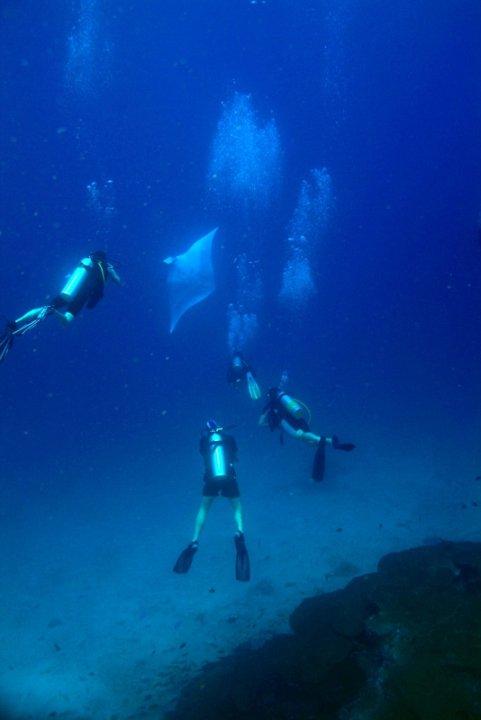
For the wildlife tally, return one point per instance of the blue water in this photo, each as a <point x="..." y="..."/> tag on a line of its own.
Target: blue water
<point x="115" y="119"/>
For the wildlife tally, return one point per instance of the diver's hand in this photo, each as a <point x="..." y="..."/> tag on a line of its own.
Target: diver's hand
<point x="115" y="277"/>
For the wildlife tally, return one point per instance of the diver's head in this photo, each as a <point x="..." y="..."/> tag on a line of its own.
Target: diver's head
<point x="98" y="256"/>
<point x="272" y="393"/>
<point x="212" y="426"/>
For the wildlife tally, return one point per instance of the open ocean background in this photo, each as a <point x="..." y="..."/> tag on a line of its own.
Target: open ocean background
<point x="100" y="472"/>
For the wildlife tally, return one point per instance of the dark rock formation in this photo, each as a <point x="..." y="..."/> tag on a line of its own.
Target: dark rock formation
<point x="403" y="643"/>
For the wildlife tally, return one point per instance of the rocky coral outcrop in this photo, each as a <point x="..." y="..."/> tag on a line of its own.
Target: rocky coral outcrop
<point x="403" y="643"/>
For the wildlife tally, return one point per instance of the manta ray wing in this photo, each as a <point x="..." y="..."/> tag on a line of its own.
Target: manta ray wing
<point x="191" y="277"/>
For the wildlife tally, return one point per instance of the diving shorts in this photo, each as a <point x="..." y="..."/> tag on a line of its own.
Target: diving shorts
<point x="225" y="487"/>
<point x="74" y="306"/>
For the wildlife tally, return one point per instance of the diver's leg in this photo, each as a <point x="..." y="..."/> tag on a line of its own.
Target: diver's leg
<point x="303" y="435"/>
<point x="333" y="441"/>
<point x="200" y="519"/>
<point x="238" y="519"/>
<point x="347" y="447"/>
<point x="311" y="438"/>
<point x="290" y="430"/>
<point x="184" y="561"/>
<point x="30" y="320"/>
<point x="65" y="311"/>
<point x="31" y="317"/>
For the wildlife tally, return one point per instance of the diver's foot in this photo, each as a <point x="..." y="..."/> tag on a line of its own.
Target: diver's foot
<point x="347" y="447"/>
<point x="184" y="561"/>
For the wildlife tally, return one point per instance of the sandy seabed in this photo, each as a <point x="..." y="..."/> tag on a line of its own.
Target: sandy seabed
<point x="96" y="626"/>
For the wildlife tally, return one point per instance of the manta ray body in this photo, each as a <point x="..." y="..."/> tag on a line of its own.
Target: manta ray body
<point x="191" y="277"/>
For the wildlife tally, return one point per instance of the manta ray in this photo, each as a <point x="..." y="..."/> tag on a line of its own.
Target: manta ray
<point x="191" y="277"/>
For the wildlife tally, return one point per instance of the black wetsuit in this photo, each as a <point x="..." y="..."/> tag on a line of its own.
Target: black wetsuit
<point x="91" y="292"/>
<point x="227" y="485"/>
<point x="276" y="413"/>
<point x="236" y="372"/>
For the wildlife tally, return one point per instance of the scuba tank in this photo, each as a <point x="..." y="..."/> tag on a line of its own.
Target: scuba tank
<point x="290" y="405"/>
<point x="77" y="280"/>
<point x="237" y="362"/>
<point x="217" y="463"/>
<point x="238" y="367"/>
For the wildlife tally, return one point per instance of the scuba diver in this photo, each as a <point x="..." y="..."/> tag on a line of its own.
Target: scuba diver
<point x="85" y="287"/>
<point x="239" y="372"/>
<point x="289" y="415"/>
<point x="219" y="451"/>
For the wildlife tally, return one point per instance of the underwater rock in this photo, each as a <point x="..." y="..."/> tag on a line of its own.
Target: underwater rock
<point x="399" y="643"/>
<point x="343" y="569"/>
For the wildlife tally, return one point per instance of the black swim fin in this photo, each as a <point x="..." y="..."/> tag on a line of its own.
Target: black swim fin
<point x="319" y="464"/>
<point x="347" y="447"/>
<point x="242" y="563"/>
<point x="184" y="561"/>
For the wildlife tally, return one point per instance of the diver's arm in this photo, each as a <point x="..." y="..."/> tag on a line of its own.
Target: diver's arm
<point x="113" y="275"/>
<point x="263" y="418"/>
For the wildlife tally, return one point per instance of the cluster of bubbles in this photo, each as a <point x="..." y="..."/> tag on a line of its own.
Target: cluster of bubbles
<point x="297" y="281"/>
<point x="101" y="201"/>
<point x="101" y="198"/>
<point x="246" y="156"/>
<point x="308" y="224"/>
<point x="248" y="280"/>
<point x="242" y="316"/>
<point x="244" y="177"/>
<point x="86" y="52"/>
<point x="242" y="327"/>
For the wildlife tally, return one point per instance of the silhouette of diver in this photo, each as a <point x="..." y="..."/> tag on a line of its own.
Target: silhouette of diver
<point x="240" y="373"/>
<point x="85" y="287"/>
<point x="219" y="451"/>
<point x="285" y="413"/>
